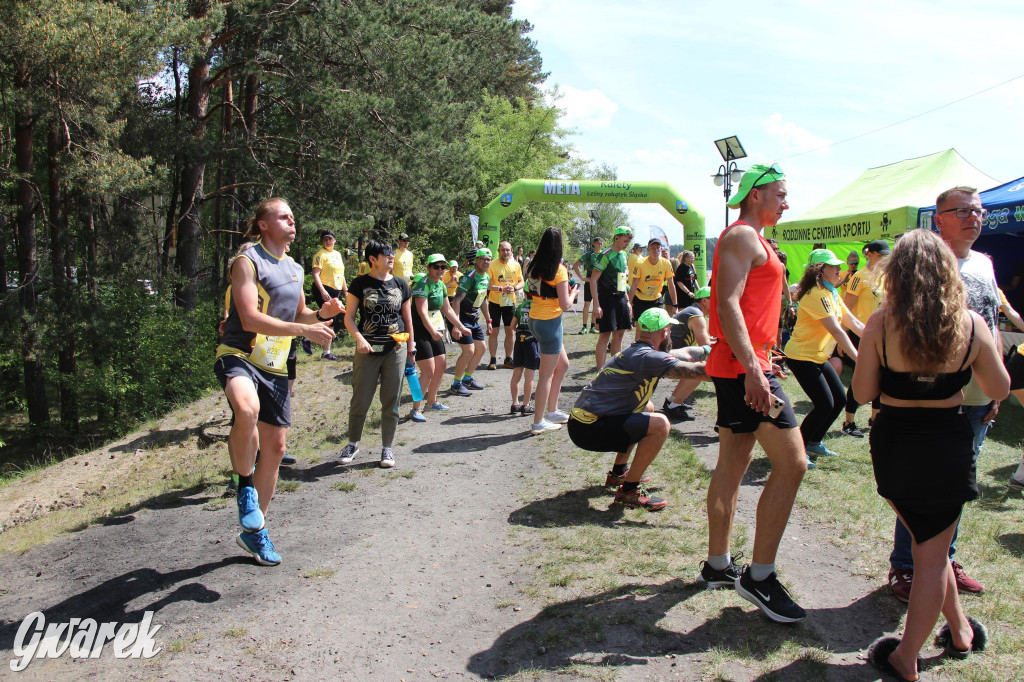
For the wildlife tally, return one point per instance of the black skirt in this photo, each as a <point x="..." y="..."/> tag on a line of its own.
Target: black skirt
<point x="924" y="463"/>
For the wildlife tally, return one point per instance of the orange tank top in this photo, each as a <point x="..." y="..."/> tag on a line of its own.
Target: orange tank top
<point x="760" y="304"/>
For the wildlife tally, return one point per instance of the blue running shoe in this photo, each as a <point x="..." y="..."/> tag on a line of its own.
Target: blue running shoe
<point x="259" y="545"/>
<point x="250" y="518"/>
<point x="472" y="384"/>
<point x="820" y="450"/>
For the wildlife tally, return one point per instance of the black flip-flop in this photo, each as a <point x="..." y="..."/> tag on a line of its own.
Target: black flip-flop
<point x="979" y="642"/>
<point x="878" y="656"/>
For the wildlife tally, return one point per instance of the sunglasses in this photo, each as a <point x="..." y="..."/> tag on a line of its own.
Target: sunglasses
<point x="439" y="266"/>
<point x="773" y="169"/>
<point x="386" y="253"/>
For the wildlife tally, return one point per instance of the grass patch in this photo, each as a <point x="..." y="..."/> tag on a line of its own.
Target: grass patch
<point x="319" y="573"/>
<point x="343" y="486"/>
<point x="287" y="486"/>
<point x="235" y="631"/>
<point x="178" y="645"/>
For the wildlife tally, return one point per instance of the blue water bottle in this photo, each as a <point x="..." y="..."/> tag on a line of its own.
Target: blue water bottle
<point x="414" y="380"/>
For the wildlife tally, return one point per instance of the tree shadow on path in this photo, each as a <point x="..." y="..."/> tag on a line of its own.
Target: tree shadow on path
<point x="572" y="508"/>
<point x="624" y="626"/>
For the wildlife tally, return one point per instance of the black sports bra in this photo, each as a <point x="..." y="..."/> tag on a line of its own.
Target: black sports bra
<point x="911" y="386"/>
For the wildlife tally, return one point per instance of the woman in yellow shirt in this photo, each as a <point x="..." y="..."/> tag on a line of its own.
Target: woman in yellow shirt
<point x="819" y="327"/>
<point x="549" y="291"/>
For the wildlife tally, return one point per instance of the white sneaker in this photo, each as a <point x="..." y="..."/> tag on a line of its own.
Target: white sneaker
<point x="557" y="417"/>
<point x="387" y="458"/>
<point x="348" y="453"/>
<point x="542" y="426"/>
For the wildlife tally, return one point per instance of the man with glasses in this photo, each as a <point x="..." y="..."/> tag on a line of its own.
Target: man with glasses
<point x="958" y="215"/>
<point x="470" y="298"/>
<point x="745" y="306"/>
<point x="506" y="281"/>
<point x="608" y="287"/>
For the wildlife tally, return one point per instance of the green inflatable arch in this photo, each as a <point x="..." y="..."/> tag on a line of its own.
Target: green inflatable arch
<point x="598" y="192"/>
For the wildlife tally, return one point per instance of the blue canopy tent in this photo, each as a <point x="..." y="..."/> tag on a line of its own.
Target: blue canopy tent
<point x="1002" y="234"/>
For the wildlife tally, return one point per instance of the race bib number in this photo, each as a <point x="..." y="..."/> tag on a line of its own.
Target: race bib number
<point x="623" y="282"/>
<point x="436" y="320"/>
<point x="508" y="298"/>
<point x="479" y="300"/>
<point x="271" y="352"/>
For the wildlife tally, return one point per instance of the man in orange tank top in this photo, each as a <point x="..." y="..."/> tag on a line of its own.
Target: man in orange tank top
<point x="745" y="306"/>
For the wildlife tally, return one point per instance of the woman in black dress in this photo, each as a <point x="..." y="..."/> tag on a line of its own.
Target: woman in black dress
<point x="918" y="352"/>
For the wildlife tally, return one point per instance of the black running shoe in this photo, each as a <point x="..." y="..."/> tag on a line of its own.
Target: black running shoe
<point x="770" y="596"/>
<point x="850" y="429"/>
<point x="716" y="579"/>
<point x="679" y="412"/>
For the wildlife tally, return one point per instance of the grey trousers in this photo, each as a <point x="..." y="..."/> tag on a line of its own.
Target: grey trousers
<point x="366" y="369"/>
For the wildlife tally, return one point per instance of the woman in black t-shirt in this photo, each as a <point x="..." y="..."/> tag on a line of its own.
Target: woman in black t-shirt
<point x="685" y="280"/>
<point x="383" y="341"/>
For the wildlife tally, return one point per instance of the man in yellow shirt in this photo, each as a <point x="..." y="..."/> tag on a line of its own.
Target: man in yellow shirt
<point x="329" y="282"/>
<point x="451" y="278"/>
<point x="634" y="258"/>
<point x="648" y="279"/>
<point x="403" y="259"/>
<point x="864" y="296"/>
<point x="506" y="281"/>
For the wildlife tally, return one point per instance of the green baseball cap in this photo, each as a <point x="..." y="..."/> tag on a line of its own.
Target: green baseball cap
<point x="418" y="277"/>
<point x="622" y="229"/>
<point x="758" y="175"/>
<point x="703" y="292"/>
<point x="823" y="256"/>
<point x="483" y="253"/>
<point x="436" y="258"/>
<point x="654" y="320"/>
<point x="453" y="263"/>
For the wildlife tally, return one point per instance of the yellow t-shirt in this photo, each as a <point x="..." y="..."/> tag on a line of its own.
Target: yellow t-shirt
<point x="403" y="265"/>
<point x="865" y="287"/>
<point x="548" y="308"/>
<point x="451" y="281"/>
<point x="811" y="341"/>
<point x="364" y="268"/>
<point x="331" y="266"/>
<point x="652" y="277"/>
<point x="631" y="263"/>
<point x="502" y="274"/>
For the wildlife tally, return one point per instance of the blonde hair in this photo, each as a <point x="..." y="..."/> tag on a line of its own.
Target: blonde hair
<point x="925" y="299"/>
<point x="252" y="228"/>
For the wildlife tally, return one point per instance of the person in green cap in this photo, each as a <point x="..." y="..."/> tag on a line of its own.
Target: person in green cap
<point x="615" y="412"/>
<point x="819" y="327"/>
<point x="609" y="287"/>
<point x="692" y="330"/>
<point x="746" y="280"/>
<point x="469" y="299"/>
<point x="430" y="309"/>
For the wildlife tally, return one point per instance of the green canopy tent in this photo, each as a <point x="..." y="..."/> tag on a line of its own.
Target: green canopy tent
<point x="880" y="204"/>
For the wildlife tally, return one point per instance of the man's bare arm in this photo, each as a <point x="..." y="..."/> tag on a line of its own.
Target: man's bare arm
<point x="687" y="370"/>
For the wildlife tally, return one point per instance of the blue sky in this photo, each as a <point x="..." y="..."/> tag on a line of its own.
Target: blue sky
<point x="648" y="86"/>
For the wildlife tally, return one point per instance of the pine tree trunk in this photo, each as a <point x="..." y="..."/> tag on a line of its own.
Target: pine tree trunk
<point x="64" y="318"/>
<point x="32" y="364"/>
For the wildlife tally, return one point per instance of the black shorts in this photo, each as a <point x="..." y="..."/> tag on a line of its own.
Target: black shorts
<point x="338" y="321"/>
<point x="526" y="354"/>
<point x="1015" y="368"/>
<point x="614" y="313"/>
<point x="427" y="347"/>
<point x="847" y="360"/>
<point x="640" y="306"/>
<point x="272" y="390"/>
<point x="476" y="333"/>
<point x="587" y="296"/>
<point x="293" y="358"/>
<point x="617" y="433"/>
<point x="500" y="314"/>
<point x="734" y="413"/>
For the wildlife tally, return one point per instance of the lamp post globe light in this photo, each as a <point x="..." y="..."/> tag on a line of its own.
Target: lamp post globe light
<point x="728" y="173"/>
